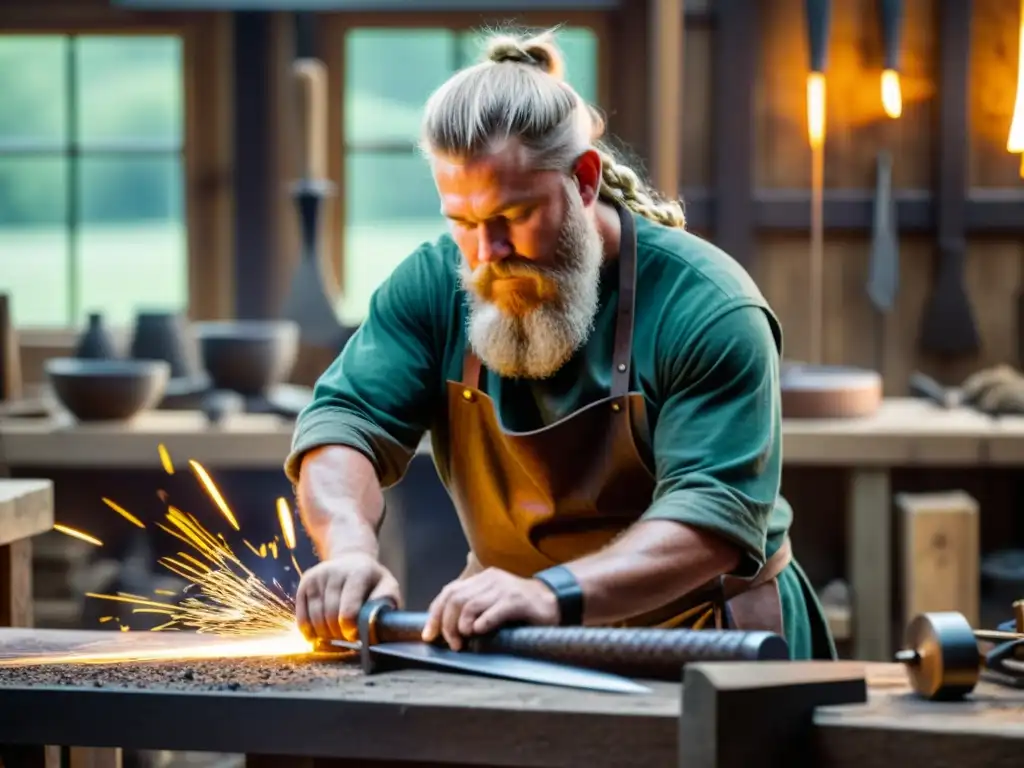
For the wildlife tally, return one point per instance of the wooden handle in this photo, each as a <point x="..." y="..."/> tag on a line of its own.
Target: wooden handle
<point x="10" y="353"/>
<point x="311" y="81"/>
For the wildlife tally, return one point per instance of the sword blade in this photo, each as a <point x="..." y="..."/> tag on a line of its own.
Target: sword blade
<point x="500" y="665"/>
<point x="510" y="667"/>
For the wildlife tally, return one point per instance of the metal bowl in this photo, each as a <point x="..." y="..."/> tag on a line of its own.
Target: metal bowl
<point x="247" y="356"/>
<point x="107" y="390"/>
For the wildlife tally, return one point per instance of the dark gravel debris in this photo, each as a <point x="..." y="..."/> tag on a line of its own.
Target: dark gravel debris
<point x="259" y="674"/>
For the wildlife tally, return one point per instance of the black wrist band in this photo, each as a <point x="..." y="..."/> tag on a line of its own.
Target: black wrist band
<point x="567" y="591"/>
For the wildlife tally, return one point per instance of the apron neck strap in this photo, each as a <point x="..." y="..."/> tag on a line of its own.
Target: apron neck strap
<point x="623" y="349"/>
<point x="622" y="353"/>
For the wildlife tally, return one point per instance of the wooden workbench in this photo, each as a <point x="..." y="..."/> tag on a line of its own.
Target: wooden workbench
<point x="417" y="717"/>
<point x="903" y="433"/>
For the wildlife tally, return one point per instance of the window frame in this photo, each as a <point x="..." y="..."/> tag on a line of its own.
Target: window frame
<point x="333" y="31"/>
<point x="206" y="50"/>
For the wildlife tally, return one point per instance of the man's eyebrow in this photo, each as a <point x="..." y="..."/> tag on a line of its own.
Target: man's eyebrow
<point x="504" y="208"/>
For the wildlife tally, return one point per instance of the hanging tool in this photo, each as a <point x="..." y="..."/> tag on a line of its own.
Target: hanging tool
<point x="884" y="261"/>
<point x="943" y="659"/>
<point x="308" y="303"/>
<point x="948" y="327"/>
<point x="817" y="17"/>
<point x="578" y="657"/>
<point x="1015" y="144"/>
<point x="884" y="264"/>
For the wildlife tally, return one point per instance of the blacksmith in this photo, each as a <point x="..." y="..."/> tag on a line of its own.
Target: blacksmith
<point x="601" y="389"/>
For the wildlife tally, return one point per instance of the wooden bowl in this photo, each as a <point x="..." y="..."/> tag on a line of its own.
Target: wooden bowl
<point x="829" y="391"/>
<point x="247" y="356"/>
<point x="107" y="390"/>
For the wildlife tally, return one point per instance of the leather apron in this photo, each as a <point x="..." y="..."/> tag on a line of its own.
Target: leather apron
<point x="530" y="500"/>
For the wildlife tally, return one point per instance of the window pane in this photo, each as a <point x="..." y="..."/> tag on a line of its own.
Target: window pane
<point x="32" y="95"/>
<point x="389" y="73"/>
<point x="129" y="90"/>
<point x="33" y="239"/>
<point x="132" y="250"/>
<point x="392" y="207"/>
<point x="578" y="45"/>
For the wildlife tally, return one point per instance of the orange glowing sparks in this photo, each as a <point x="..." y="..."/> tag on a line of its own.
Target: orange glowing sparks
<point x="290" y="643"/>
<point x="214" y="492"/>
<point x="284" y="517"/>
<point x="223" y="596"/>
<point x="165" y="459"/>
<point x="124" y="513"/>
<point x="77" y="534"/>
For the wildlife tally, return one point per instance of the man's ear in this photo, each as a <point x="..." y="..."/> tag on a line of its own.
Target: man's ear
<point x="587" y="175"/>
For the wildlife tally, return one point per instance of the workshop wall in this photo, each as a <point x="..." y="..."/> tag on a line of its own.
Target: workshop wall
<point x="857" y="129"/>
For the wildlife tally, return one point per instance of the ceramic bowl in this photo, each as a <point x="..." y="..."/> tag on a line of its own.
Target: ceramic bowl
<point x="107" y="390"/>
<point x="247" y="356"/>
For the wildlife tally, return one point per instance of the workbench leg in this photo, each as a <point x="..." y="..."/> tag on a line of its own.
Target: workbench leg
<point x="16" y="584"/>
<point x="869" y="560"/>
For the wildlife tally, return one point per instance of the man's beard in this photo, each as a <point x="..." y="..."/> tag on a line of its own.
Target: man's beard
<point x="534" y="342"/>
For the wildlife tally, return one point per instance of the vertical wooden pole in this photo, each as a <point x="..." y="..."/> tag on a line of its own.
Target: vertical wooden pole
<point x="732" y="114"/>
<point x="666" y="83"/>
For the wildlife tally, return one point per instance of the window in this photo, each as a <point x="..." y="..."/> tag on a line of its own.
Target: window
<point x="391" y="204"/>
<point x="92" y="176"/>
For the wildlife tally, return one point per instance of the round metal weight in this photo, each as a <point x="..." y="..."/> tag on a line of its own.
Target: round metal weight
<point x="941" y="655"/>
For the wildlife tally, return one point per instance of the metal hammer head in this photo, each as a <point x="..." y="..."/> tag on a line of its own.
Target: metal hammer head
<point x="367" y="626"/>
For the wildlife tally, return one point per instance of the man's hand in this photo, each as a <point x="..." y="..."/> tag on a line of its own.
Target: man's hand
<point x="331" y="593"/>
<point x="484" y="602"/>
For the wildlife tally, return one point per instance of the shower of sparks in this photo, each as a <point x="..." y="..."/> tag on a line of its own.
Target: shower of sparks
<point x="246" y="616"/>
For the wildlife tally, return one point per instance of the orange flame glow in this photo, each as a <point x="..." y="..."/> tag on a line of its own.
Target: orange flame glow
<point x="892" y="93"/>
<point x="816" y="109"/>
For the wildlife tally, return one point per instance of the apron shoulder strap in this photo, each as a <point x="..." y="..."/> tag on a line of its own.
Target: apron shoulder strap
<point x="622" y="354"/>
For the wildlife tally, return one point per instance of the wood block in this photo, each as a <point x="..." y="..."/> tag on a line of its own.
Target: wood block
<point x="939" y="553"/>
<point x="26" y="509"/>
<point x="739" y="714"/>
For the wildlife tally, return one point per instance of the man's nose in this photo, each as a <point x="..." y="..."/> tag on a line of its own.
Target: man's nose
<point x="493" y="245"/>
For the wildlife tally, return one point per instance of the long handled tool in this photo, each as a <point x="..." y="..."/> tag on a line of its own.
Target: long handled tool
<point x="817" y="16"/>
<point x="307" y="303"/>
<point x="577" y="657"/>
<point x="948" y="325"/>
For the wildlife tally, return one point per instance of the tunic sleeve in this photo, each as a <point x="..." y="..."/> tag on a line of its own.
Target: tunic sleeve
<point x="378" y="396"/>
<point x="717" y="437"/>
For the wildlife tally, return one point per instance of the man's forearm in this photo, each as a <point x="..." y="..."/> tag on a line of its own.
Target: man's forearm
<point x="653" y="563"/>
<point x="340" y="501"/>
